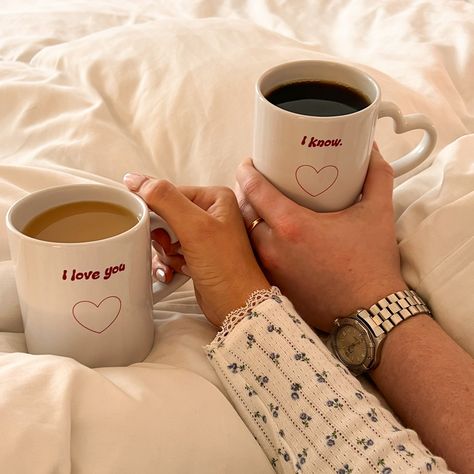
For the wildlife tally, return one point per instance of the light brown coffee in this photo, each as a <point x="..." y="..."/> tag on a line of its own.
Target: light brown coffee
<point x="82" y="221"/>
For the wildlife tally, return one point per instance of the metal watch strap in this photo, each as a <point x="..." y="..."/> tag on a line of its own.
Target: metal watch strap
<point x="390" y="311"/>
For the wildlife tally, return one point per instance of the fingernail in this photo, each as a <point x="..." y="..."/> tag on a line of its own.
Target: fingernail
<point x="134" y="181"/>
<point x="157" y="247"/>
<point x="160" y="275"/>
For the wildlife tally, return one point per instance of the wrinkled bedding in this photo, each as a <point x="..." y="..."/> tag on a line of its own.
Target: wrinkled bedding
<point x="92" y="90"/>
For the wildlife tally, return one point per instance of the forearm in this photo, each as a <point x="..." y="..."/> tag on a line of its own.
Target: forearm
<point x="428" y="380"/>
<point x="303" y="406"/>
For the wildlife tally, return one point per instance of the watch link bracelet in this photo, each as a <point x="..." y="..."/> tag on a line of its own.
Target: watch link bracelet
<point x="357" y="340"/>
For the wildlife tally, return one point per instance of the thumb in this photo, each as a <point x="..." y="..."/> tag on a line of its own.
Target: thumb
<point x="166" y="200"/>
<point x="268" y="202"/>
<point x="378" y="186"/>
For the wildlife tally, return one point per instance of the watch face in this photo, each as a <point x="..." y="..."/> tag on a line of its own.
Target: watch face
<point x="351" y="344"/>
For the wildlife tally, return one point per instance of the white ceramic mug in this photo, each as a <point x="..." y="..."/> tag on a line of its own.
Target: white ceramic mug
<point x="321" y="162"/>
<point x="91" y="301"/>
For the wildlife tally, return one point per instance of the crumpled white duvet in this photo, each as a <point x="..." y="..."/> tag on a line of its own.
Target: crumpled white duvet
<point x="92" y="89"/>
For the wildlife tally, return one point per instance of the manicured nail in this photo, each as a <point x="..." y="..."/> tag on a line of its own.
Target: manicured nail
<point x="160" y="275"/>
<point x="134" y="181"/>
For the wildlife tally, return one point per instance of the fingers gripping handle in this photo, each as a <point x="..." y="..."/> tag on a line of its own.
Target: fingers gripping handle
<point x="405" y="123"/>
<point x="162" y="290"/>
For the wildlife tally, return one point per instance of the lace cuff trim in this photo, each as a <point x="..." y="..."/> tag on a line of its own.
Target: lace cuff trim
<point x="234" y="317"/>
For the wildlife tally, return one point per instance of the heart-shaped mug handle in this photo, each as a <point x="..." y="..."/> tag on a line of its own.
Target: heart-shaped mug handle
<point x="162" y="290"/>
<point x="405" y="123"/>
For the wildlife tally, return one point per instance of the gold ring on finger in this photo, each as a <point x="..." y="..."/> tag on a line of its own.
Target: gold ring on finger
<point x="254" y="224"/>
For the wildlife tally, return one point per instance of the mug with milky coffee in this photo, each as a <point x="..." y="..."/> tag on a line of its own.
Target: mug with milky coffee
<point x="314" y="130"/>
<point x="82" y="260"/>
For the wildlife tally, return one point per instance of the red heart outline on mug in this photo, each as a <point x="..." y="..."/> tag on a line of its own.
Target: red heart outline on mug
<point x="316" y="181"/>
<point x="97" y="317"/>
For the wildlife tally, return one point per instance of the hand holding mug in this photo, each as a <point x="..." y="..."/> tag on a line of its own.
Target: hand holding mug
<point x="327" y="264"/>
<point x="214" y="246"/>
<point x="82" y="266"/>
<point x="314" y="129"/>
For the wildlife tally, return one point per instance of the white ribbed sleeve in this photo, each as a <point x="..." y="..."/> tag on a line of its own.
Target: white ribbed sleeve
<point x="307" y="411"/>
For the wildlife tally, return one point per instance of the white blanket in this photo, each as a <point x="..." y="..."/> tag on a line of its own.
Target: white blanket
<point x="92" y="89"/>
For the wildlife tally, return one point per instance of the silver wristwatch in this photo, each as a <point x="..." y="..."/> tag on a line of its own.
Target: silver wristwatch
<point x="356" y="340"/>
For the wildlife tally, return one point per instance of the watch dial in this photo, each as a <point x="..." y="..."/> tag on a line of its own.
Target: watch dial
<point x="351" y="345"/>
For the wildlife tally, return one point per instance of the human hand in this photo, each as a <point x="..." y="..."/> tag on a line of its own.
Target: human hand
<point x="213" y="244"/>
<point x="328" y="264"/>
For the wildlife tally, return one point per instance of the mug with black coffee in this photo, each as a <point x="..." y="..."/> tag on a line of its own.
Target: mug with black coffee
<point x="314" y="130"/>
<point x="82" y="260"/>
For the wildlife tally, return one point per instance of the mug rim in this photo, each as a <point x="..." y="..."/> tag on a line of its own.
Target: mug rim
<point x="23" y="201"/>
<point x="292" y="64"/>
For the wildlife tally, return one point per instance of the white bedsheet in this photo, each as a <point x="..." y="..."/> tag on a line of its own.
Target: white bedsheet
<point x="92" y="89"/>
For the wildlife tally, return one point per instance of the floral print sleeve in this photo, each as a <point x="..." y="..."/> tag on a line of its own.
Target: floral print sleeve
<point x="308" y="413"/>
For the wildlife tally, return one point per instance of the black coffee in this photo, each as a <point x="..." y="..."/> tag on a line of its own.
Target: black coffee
<point x="320" y="99"/>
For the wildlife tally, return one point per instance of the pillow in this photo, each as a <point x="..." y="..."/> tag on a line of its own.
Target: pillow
<point x="436" y="234"/>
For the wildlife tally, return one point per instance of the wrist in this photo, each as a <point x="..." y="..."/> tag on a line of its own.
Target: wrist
<point x="358" y="340"/>
<point x="242" y="297"/>
<point x="398" y="342"/>
<point x="239" y="294"/>
<point x="370" y="293"/>
<point x="233" y="318"/>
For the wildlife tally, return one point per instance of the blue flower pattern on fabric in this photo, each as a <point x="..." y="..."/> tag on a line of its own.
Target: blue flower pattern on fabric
<point x="308" y="400"/>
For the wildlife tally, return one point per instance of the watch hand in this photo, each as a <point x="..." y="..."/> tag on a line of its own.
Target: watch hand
<point x="355" y="342"/>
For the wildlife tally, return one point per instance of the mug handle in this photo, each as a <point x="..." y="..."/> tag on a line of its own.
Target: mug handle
<point x="405" y="123"/>
<point x="162" y="290"/>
